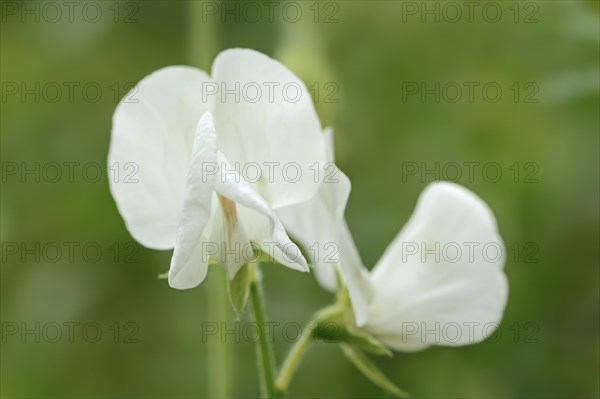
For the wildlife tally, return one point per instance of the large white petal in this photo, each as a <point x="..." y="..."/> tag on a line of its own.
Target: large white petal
<point x="319" y="225"/>
<point x="150" y="149"/>
<point x="355" y="276"/>
<point x="232" y="186"/>
<point x="272" y="121"/>
<point x="421" y="300"/>
<point x="190" y="258"/>
<point x="314" y="224"/>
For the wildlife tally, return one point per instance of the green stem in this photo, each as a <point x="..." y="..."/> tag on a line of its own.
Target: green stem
<point x="264" y="351"/>
<point x="294" y="357"/>
<point x="203" y="36"/>
<point x="218" y="353"/>
<point x="202" y="45"/>
<point x="300" y="347"/>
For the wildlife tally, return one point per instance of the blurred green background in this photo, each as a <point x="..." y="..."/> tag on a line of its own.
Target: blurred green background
<point x="150" y="339"/>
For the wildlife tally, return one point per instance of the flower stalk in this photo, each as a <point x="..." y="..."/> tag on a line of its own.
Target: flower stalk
<point x="218" y="355"/>
<point x="310" y="333"/>
<point x="294" y="357"/>
<point x="264" y="350"/>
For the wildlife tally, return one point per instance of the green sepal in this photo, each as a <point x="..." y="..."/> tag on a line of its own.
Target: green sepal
<point x="335" y="331"/>
<point x="367" y="342"/>
<point x="329" y="332"/>
<point x="329" y="325"/>
<point x="261" y="256"/>
<point x="239" y="287"/>
<point x="371" y="371"/>
<point x="335" y="324"/>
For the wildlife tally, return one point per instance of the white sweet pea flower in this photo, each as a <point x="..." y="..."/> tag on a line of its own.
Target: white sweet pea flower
<point x="190" y="136"/>
<point x="441" y="281"/>
<point x="422" y="292"/>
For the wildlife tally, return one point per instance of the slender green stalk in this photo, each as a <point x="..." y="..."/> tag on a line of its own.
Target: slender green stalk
<point x="264" y="350"/>
<point x="300" y="347"/>
<point x="202" y="45"/>
<point x="218" y="353"/>
<point x="203" y="39"/>
<point x="294" y="357"/>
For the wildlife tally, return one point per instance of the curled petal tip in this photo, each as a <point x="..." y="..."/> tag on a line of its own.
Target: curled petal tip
<point x="206" y="122"/>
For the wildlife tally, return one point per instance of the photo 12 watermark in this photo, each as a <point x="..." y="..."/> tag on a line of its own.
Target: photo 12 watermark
<point x="468" y="252"/>
<point x="466" y="331"/>
<point x="69" y="252"/>
<point x="52" y="12"/>
<point x="489" y="92"/>
<point x="251" y="252"/>
<point x="69" y="92"/>
<point x="68" y="172"/>
<point x="250" y="12"/>
<point x="526" y="172"/>
<point x="70" y="332"/>
<point x="452" y="12"/>
<point x="269" y="92"/>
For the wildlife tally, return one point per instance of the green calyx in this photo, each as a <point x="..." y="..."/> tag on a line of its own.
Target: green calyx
<point x="239" y="287"/>
<point x="335" y="324"/>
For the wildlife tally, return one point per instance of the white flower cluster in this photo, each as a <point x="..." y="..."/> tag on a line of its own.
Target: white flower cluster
<point x="176" y="129"/>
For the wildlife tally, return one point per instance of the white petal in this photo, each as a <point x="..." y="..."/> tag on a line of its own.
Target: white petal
<point x="329" y="144"/>
<point x="233" y="247"/>
<point x="319" y="225"/>
<point x="271" y="122"/>
<point x="233" y="186"/>
<point x="190" y="260"/>
<point x="416" y="290"/>
<point x="314" y="223"/>
<point x="356" y="277"/>
<point x="150" y="149"/>
<point x="328" y="226"/>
